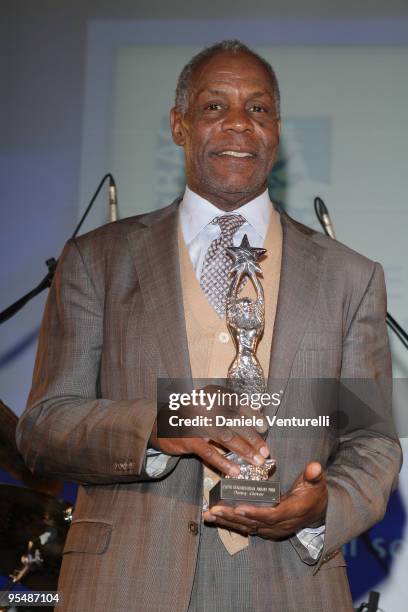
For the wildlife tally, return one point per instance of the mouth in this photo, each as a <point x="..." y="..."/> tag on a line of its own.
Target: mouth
<point x="237" y="154"/>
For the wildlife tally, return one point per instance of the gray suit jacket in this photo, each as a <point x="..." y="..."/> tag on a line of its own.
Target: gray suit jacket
<point x="113" y="323"/>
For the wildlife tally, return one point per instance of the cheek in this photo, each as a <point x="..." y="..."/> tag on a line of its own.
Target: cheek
<point x="193" y="150"/>
<point x="199" y="147"/>
<point x="271" y="145"/>
<point x="273" y="142"/>
<point x="270" y="137"/>
<point x="203" y="134"/>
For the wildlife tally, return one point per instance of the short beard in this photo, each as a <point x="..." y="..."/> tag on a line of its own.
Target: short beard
<point x="231" y="197"/>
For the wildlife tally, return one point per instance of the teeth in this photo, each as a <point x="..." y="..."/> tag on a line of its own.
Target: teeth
<point x="236" y="153"/>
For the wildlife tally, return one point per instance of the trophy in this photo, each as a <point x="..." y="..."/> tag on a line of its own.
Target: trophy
<point x="245" y="319"/>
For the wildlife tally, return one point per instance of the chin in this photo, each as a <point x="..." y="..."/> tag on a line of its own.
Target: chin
<point x="231" y="184"/>
<point x="238" y="189"/>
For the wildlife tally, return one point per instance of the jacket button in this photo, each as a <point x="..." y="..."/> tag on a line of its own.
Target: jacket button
<point x="193" y="527"/>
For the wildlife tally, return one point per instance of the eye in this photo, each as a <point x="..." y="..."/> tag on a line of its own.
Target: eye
<point x="213" y="106"/>
<point x="257" y="108"/>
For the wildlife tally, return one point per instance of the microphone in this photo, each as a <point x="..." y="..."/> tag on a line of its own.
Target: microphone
<point x="324" y="217"/>
<point x="113" y="200"/>
<point x="373" y="600"/>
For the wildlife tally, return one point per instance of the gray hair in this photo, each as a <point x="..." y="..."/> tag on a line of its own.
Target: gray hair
<point x="231" y="46"/>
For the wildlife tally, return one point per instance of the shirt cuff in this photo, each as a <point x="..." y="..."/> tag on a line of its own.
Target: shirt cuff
<point x="155" y="462"/>
<point x="313" y="540"/>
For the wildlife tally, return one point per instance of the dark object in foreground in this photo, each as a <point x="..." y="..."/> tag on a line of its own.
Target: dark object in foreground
<point x="12" y="462"/>
<point x="33" y="527"/>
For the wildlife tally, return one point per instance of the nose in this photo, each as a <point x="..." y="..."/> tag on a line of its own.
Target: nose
<point x="237" y="120"/>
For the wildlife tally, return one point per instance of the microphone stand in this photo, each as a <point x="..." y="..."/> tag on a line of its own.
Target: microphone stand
<point x="324" y="219"/>
<point x="52" y="262"/>
<point x="372" y="604"/>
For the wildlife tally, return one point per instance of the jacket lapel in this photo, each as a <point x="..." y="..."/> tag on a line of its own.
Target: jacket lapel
<point x="155" y="252"/>
<point x="302" y="264"/>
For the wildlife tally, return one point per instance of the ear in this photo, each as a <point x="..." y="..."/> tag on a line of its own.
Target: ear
<point x="177" y="127"/>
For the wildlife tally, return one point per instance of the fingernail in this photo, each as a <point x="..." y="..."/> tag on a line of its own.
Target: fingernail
<point x="217" y="512"/>
<point x="210" y="519"/>
<point x="264" y="451"/>
<point x="235" y="471"/>
<point x="259" y="460"/>
<point x="241" y="513"/>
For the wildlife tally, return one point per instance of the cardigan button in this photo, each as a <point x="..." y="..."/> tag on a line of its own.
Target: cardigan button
<point x="223" y="337"/>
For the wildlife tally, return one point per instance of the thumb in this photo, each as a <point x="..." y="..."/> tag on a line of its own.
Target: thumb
<point x="313" y="472"/>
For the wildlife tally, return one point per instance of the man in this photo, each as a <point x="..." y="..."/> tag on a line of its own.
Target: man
<point x="131" y="302"/>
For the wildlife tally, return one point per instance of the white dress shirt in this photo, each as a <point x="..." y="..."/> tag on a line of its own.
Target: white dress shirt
<point x="196" y="215"/>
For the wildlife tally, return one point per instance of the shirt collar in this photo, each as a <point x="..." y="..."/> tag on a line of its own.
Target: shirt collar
<point x="197" y="212"/>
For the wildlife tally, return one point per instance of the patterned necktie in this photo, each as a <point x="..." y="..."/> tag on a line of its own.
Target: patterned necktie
<point x="214" y="279"/>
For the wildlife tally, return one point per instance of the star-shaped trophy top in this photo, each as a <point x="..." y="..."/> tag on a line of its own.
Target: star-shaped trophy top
<point x="245" y="258"/>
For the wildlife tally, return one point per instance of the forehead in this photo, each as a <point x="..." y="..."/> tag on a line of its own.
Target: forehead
<point x="236" y="69"/>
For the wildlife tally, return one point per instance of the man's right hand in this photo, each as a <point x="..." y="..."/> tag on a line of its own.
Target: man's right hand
<point x="246" y="442"/>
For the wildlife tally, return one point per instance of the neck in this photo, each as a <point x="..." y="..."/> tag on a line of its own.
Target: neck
<point x="227" y="202"/>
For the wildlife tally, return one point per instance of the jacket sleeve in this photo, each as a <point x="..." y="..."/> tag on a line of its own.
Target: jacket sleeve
<point x="67" y="429"/>
<point x="365" y="466"/>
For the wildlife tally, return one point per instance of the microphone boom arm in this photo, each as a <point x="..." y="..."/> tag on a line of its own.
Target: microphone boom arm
<point x="323" y="217"/>
<point x="51" y="263"/>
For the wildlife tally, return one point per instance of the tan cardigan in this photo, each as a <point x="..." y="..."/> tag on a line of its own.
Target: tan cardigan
<point x="210" y="346"/>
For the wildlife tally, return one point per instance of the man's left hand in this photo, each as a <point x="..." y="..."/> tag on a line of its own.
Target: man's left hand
<point x="304" y="505"/>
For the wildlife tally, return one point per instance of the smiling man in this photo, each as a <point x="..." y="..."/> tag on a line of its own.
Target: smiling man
<point x="229" y="127"/>
<point x="145" y="298"/>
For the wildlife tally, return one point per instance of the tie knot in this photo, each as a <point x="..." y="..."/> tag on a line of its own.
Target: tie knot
<point x="228" y="223"/>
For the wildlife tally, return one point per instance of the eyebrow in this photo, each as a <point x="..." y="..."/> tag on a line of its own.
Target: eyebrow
<point x="218" y="92"/>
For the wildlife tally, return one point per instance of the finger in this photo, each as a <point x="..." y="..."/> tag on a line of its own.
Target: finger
<point x="228" y="514"/>
<point x="249" y="412"/>
<point x="262" y="515"/>
<point x="249" y="445"/>
<point x="277" y="532"/>
<point x="313" y="472"/>
<point x="231" y="525"/>
<point x="288" y="509"/>
<point x="252" y="436"/>
<point x="223" y="518"/>
<point x="249" y="434"/>
<point x="208" y="453"/>
<point x="304" y="506"/>
<point x="278" y="527"/>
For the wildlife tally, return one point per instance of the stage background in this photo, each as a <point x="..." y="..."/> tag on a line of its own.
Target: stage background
<point x="86" y="90"/>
